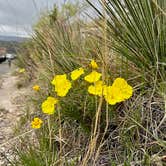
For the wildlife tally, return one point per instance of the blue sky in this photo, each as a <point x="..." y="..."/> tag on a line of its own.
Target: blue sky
<point x="17" y="16"/>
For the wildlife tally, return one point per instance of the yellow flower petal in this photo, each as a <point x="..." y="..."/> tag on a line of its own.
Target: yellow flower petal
<point x="62" y="91"/>
<point x="36" y="123"/>
<point x="112" y="95"/>
<point x="48" y="106"/>
<point x="58" y="79"/>
<point x="36" y="87"/>
<point x="93" y="64"/>
<point x="94" y="76"/>
<point x="62" y="85"/>
<point x="22" y="70"/>
<point x="125" y="88"/>
<point x="96" y="89"/>
<point x="77" y="73"/>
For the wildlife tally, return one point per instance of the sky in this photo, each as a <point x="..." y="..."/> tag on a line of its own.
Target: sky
<point x="18" y="16"/>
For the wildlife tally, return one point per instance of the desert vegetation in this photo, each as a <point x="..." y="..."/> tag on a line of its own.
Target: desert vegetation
<point x="98" y="93"/>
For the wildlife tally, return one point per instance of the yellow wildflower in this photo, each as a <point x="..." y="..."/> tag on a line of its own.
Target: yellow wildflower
<point x="36" y="87"/>
<point x="96" y="89"/>
<point x="48" y="106"/>
<point x="125" y="89"/>
<point x="93" y="64"/>
<point x="22" y="70"/>
<point x="112" y="95"/>
<point x="77" y="73"/>
<point x="94" y="76"/>
<point x="36" y="123"/>
<point x="62" y="85"/>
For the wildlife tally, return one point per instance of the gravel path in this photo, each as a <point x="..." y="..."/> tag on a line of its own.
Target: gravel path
<point x="9" y="115"/>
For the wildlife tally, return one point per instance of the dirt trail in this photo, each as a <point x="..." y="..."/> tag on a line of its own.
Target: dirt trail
<point x="7" y="91"/>
<point x="9" y="113"/>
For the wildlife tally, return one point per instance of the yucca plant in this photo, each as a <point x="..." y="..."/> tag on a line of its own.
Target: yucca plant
<point x="138" y="29"/>
<point x="135" y="31"/>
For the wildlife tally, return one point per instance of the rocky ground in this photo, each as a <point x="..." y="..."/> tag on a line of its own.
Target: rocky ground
<point x="10" y="113"/>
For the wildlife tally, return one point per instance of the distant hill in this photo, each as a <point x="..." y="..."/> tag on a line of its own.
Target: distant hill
<point x="11" y="43"/>
<point x="12" y="39"/>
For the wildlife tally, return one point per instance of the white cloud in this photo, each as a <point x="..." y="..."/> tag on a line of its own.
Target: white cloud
<point x="15" y="30"/>
<point x="18" y="16"/>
